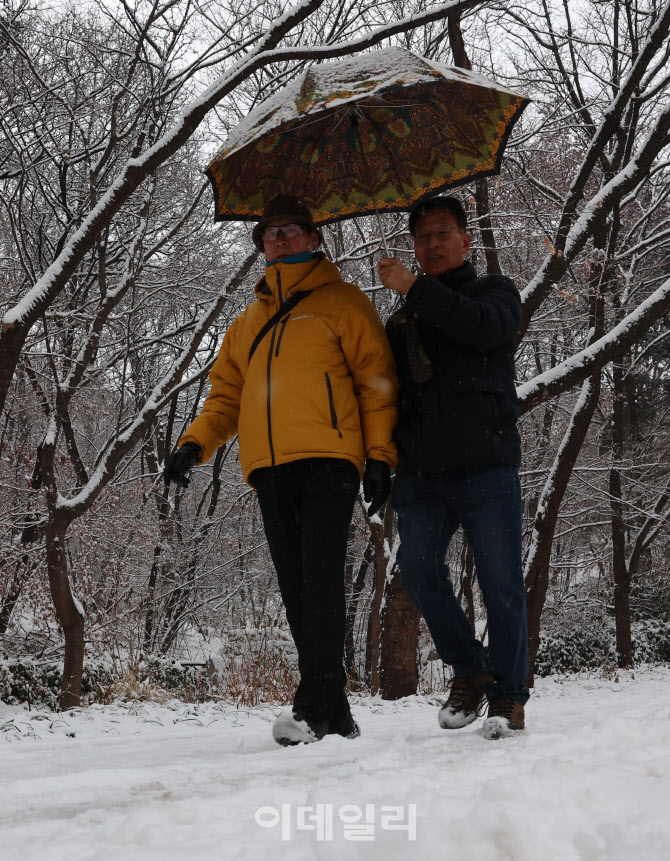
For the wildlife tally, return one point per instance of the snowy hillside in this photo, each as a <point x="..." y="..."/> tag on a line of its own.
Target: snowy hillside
<point x="589" y="779"/>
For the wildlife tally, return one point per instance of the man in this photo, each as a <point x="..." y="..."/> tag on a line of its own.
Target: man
<point x="459" y="453"/>
<point x="306" y="378"/>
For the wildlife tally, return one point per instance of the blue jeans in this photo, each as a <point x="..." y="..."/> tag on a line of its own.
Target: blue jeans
<point x="488" y="507"/>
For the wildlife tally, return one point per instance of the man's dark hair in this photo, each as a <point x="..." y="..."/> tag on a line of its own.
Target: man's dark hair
<point x="450" y="204"/>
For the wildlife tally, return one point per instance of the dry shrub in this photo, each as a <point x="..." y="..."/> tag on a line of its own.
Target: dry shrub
<point x="261" y="666"/>
<point x="130" y="687"/>
<point x="252" y="679"/>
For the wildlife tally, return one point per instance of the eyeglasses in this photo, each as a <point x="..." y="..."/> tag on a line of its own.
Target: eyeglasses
<point x="442" y="233"/>
<point x="288" y="231"/>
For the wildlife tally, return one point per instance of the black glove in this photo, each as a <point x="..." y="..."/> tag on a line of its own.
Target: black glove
<point x="180" y="463"/>
<point x="376" y="484"/>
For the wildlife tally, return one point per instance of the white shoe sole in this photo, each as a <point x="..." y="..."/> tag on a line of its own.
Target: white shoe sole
<point x="498" y="727"/>
<point x="450" y="719"/>
<point x="286" y="730"/>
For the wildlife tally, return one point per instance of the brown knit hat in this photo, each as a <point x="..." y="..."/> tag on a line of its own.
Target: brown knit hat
<point x="288" y="206"/>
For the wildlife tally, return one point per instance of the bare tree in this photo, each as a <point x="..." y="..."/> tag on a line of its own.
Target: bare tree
<point x="117" y="290"/>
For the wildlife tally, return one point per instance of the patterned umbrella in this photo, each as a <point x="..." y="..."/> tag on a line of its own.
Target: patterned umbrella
<point x="375" y="132"/>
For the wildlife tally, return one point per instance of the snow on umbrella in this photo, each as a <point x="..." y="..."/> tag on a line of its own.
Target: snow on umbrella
<point x="376" y="132"/>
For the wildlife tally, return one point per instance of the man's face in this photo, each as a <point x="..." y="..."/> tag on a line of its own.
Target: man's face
<point x="439" y="244"/>
<point x="285" y="246"/>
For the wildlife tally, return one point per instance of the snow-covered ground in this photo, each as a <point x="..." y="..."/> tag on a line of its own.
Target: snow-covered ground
<point x="588" y="779"/>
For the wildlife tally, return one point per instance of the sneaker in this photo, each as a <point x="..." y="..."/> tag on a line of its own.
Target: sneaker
<point x="342" y="722"/>
<point x="292" y="728"/>
<point x="505" y="718"/>
<point x="464" y="702"/>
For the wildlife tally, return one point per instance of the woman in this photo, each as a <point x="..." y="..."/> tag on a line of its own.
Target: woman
<point x="306" y="378"/>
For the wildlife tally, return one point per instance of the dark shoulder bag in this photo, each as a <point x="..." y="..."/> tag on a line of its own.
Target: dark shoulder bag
<point x="284" y="308"/>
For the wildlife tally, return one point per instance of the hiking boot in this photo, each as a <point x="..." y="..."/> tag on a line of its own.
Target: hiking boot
<point x="465" y="699"/>
<point x="293" y="728"/>
<point x="505" y="718"/>
<point x="341" y="721"/>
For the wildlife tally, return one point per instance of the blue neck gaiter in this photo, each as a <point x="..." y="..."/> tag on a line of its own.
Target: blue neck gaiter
<point x="300" y="257"/>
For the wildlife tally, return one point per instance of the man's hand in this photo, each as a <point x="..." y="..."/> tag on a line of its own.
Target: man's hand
<point x="180" y="463"/>
<point x="376" y="484"/>
<point x="394" y="275"/>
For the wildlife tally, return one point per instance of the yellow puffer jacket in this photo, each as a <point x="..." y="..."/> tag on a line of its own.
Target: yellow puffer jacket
<point x="322" y="382"/>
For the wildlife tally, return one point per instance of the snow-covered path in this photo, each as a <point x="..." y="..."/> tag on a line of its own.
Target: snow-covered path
<point x="589" y="779"/>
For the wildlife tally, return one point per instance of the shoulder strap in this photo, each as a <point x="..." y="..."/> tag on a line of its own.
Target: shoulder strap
<point x="284" y="308"/>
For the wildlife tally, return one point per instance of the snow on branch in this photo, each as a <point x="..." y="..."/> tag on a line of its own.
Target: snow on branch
<point x="571" y="237"/>
<point x="611" y="116"/>
<point x="636" y="171"/>
<point x="575" y="369"/>
<point x="160" y="395"/>
<point x="136" y="169"/>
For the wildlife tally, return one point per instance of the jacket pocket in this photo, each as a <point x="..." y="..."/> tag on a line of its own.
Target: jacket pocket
<point x="331" y="404"/>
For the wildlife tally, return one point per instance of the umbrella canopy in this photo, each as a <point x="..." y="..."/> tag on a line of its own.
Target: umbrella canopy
<point x="378" y="131"/>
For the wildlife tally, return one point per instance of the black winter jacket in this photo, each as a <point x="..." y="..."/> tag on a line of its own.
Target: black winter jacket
<point x="459" y="411"/>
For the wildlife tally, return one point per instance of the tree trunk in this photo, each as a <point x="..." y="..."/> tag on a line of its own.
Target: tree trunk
<point x="12" y="340"/>
<point x="398" y="670"/>
<point x="12" y="595"/>
<point x="621" y="574"/>
<point x="380" y="535"/>
<point x="68" y="611"/>
<point x="466" y="594"/>
<point x="539" y="554"/>
<point x="357" y="585"/>
<point x="538" y="559"/>
<point x="486" y="227"/>
<point x="161" y="565"/>
<point x="32" y="533"/>
<point x="461" y="59"/>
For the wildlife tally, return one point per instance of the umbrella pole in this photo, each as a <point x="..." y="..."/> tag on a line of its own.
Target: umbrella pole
<point x="354" y="121"/>
<point x="381" y="230"/>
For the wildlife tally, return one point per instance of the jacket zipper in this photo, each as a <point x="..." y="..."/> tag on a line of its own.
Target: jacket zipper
<point x="333" y="414"/>
<point x="269" y="378"/>
<point x="281" y="334"/>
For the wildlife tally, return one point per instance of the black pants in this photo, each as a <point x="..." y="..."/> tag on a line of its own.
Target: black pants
<point x="307" y="507"/>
